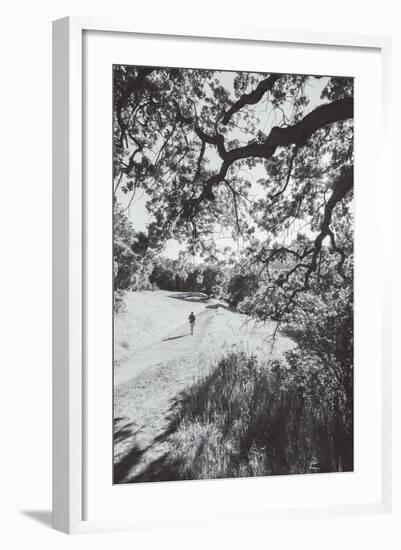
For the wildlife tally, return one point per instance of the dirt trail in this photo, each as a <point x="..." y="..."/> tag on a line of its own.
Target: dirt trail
<point x="175" y="344"/>
<point x="144" y="394"/>
<point x="158" y="362"/>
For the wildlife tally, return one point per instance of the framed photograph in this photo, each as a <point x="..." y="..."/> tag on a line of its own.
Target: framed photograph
<point x="220" y="333"/>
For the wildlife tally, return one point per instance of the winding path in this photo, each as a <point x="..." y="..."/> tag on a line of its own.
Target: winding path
<point x="145" y="391"/>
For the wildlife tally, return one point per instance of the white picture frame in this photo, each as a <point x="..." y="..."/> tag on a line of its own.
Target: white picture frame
<point x="69" y="257"/>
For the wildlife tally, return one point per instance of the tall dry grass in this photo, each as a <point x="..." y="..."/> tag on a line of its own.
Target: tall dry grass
<point x="247" y="418"/>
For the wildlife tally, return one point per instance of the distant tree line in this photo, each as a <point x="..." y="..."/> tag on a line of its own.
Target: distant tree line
<point x="140" y="265"/>
<point x="166" y="121"/>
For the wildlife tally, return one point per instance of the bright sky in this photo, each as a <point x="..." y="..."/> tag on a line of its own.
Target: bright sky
<point x="137" y="211"/>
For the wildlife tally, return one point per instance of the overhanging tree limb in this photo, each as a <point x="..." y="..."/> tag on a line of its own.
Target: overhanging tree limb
<point x="283" y="285"/>
<point x="252" y="98"/>
<point x="341" y="188"/>
<point x="297" y="135"/>
<point x="281" y="191"/>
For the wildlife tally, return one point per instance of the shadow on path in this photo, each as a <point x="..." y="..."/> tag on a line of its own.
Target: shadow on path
<point x="222" y="306"/>
<point x="128" y="461"/>
<point x="161" y="469"/>
<point x="175" y="337"/>
<point x="123" y="433"/>
<point x="197" y="297"/>
<point x="165" y="467"/>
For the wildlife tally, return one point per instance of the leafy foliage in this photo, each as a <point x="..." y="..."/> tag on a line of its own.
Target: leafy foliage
<point x="194" y="139"/>
<point x="133" y="257"/>
<point x="258" y="157"/>
<point x="175" y="275"/>
<point x="240" y="287"/>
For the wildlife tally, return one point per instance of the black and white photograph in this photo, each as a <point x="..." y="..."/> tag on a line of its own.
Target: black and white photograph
<point x="233" y="234"/>
<point x="200" y="275"/>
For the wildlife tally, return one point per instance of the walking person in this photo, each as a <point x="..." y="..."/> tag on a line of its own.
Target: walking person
<point x="192" y="322"/>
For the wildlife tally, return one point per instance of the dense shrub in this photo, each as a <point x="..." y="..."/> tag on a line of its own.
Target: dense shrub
<point x="241" y="286"/>
<point x="172" y="275"/>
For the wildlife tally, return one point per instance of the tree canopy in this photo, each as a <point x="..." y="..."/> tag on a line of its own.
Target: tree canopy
<point x="263" y="156"/>
<point x="266" y="159"/>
